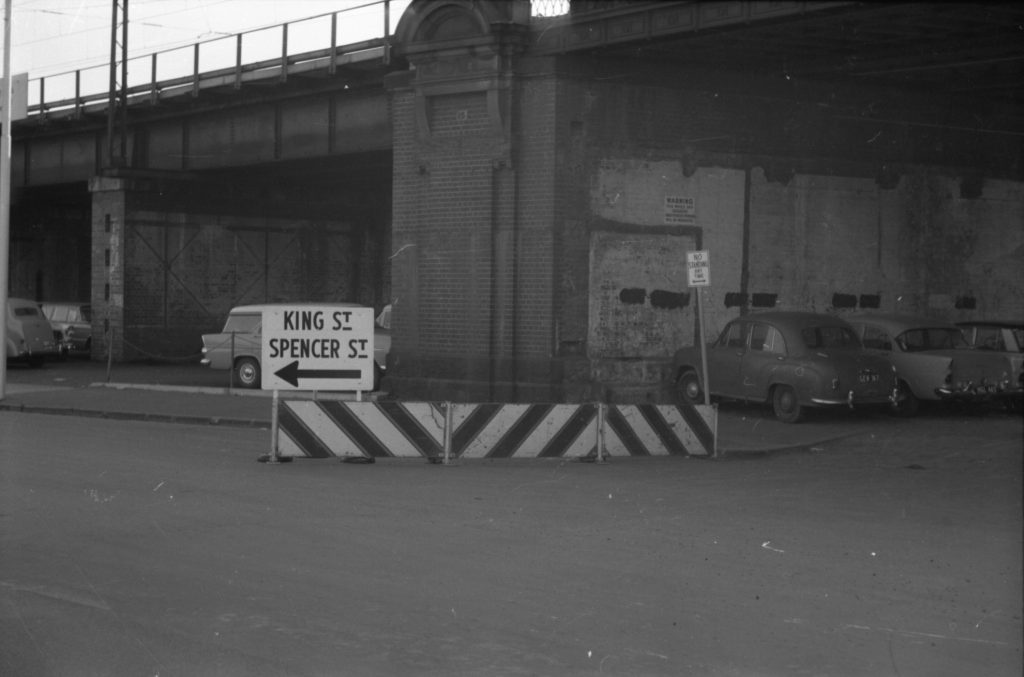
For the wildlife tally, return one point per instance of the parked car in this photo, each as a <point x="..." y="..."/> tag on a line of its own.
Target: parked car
<point x="238" y="346"/>
<point x="72" y="325"/>
<point x="1001" y="336"/>
<point x="794" y="360"/>
<point x="934" y="361"/>
<point x="29" y="334"/>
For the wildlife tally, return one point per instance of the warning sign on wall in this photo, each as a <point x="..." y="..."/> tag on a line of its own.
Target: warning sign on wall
<point x="680" y="211"/>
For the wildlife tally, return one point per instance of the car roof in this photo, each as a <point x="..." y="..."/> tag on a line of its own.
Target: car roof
<point x="14" y="300"/>
<point x="65" y="304"/>
<point x="796" y="316"/>
<point x="1015" y="324"/>
<point x="260" y="307"/>
<point x="902" y="321"/>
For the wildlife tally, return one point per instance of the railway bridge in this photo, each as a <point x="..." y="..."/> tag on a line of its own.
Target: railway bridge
<point x="521" y="181"/>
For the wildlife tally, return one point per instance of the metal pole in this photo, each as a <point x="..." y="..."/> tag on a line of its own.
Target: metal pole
<point x="273" y="430"/>
<point x="123" y="97"/>
<point x="703" y="348"/>
<point x="447" y="432"/>
<point x="5" y="189"/>
<point x="112" y="92"/>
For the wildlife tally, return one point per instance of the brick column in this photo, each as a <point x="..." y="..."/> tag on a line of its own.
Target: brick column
<point x="454" y="229"/>
<point x="109" y="206"/>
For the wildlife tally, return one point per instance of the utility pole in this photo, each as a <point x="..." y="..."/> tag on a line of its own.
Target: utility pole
<point x="5" y="190"/>
<point x="117" y="102"/>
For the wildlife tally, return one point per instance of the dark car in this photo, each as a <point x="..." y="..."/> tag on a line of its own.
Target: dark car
<point x="793" y="360"/>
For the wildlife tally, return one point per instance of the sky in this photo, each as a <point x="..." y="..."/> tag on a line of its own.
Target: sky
<point x="58" y="36"/>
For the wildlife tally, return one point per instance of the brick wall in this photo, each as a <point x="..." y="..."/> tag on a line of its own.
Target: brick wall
<point x="794" y="208"/>
<point x="163" y="277"/>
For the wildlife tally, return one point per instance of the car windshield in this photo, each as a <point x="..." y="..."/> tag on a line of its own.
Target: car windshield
<point x="26" y="311"/>
<point x="829" y="336"/>
<point x="243" y="323"/>
<point x="936" y="338"/>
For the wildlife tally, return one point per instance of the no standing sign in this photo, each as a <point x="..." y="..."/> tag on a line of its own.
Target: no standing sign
<point x="698" y="268"/>
<point x="318" y="348"/>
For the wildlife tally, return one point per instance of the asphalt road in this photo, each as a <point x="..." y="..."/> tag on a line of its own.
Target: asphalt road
<point x="133" y="548"/>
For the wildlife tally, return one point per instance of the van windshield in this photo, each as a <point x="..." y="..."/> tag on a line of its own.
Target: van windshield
<point x="243" y="323"/>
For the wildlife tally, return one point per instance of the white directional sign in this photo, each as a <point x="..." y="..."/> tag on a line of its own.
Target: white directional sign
<point x="310" y="347"/>
<point x="698" y="268"/>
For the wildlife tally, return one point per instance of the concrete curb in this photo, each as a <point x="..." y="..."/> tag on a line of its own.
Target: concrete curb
<point x="136" y="416"/>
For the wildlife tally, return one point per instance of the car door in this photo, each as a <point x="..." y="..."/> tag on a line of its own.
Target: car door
<point x="725" y="357"/>
<point x="764" y="354"/>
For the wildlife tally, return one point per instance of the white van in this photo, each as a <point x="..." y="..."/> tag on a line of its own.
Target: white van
<point x="29" y="334"/>
<point x="239" y="345"/>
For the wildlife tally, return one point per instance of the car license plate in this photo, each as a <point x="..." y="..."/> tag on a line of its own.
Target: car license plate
<point x="868" y="377"/>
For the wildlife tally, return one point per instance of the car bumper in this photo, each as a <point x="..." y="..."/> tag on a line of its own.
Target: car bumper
<point x="976" y="394"/>
<point x="854" y="400"/>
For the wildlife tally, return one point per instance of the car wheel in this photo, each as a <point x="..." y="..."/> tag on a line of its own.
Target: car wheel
<point x="377" y="374"/>
<point x="247" y="373"/>
<point x="907" y="404"/>
<point x="689" y="388"/>
<point x="785" y="404"/>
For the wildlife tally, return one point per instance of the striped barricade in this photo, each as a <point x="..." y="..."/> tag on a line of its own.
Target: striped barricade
<point x="442" y="431"/>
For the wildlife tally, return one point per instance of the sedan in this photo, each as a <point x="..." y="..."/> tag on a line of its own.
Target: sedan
<point x="794" y="360"/>
<point x="29" y="334"/>
<point x="934" y="361"/>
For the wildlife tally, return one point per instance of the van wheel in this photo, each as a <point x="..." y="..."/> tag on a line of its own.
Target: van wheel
<point x="247" y="372"/>
<point x="785" y="404"/>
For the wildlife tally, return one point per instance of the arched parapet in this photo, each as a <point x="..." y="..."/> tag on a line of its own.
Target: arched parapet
<point x="462" y="48"/>
<point x="433" y="24"/>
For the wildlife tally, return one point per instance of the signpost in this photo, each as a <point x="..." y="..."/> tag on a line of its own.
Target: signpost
<point x="317" y="348"/>
<point x="309" y="347"/>
<point x="698" y="274"/>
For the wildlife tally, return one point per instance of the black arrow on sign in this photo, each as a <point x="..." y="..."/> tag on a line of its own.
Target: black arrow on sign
<point x="291" y="373"/>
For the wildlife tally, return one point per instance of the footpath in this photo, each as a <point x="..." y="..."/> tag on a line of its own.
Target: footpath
<point x="193" y="395"/>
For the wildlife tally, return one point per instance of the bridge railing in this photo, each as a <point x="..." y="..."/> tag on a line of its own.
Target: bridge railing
<point x="354" y="33"/>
